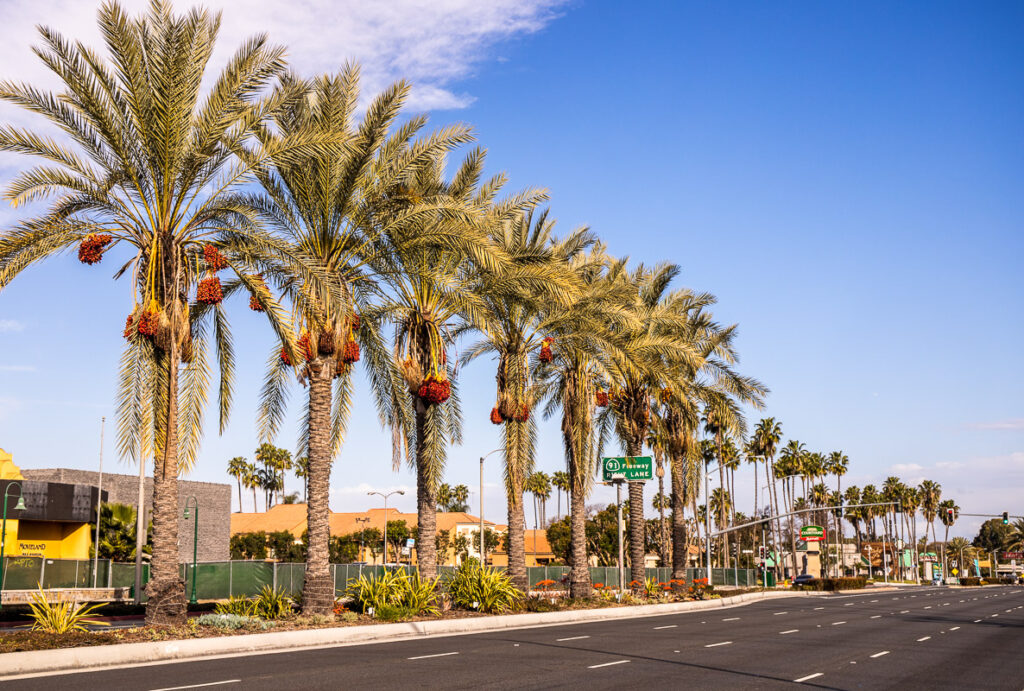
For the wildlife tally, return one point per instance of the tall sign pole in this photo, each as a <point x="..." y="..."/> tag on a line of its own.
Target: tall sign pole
<point x="618" y="503"/>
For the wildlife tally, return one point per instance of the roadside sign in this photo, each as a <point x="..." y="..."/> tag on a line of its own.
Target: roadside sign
<point x="812" y="533"/>
<point x="629" y="468"/>
<point x="410" y="543"/>
<point x="955" y="571"/>
<point x="1013" y="555"/>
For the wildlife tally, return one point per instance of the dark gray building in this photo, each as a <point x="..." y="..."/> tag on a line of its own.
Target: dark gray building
<point x="214" y="506"/>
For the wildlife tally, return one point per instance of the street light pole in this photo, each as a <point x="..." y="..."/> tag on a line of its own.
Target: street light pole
<point x="194" y="503"/>
<point x="99" y="505"/>
<point x="20" y="506"/>
<point x="386" y="495"/>
<point x="622" y="565"/>
<point x="360" y="520"/>
<point x="483" y="544"/>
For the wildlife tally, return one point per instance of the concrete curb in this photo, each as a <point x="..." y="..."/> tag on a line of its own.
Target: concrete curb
<point x="66" y="660"/>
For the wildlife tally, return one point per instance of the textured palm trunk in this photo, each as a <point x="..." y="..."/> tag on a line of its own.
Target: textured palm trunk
<point x="515" y="452"/>
<point x="680" y="545"/>
<point x="579" y="575"/>
<point x="662" y="526"/>
<point x="636" y="521"/>
<point x="792" y="525"/>
<point x="165" y="591"/>
<point x="426" y="501"/>
<point x="723" y="558"/>
<point x="318" y="589"/>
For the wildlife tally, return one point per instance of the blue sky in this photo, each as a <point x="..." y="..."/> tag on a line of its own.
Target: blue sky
<point x="846" y="179"/>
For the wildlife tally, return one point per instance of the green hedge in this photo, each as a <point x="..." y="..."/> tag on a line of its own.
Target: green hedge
<point x="970" y="580"/>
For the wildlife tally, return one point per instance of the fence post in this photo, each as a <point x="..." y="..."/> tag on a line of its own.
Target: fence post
<point x="273" y="578"/>
<point x="42" y="572"/>
<point x="231" y="579"/>
<point x="110" y="573"/>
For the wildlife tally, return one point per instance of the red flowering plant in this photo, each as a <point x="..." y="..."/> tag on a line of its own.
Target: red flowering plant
<point x="545" y="585"/>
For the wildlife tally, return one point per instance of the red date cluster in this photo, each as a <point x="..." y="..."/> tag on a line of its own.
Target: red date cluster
<point x="91" y="249"/>
<point x="434" y="390"/>
<point x="215" y="261"/>
<point x="209" y="291"/>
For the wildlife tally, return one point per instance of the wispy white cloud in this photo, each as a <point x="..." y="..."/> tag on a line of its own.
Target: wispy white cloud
<point x="10" y="326"/>
<point x="17" y="368"/>
<point x="1013" y="424"/>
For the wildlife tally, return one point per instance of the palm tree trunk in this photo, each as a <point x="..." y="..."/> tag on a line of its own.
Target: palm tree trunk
<point x="792" y="525"/>
<point x="318" y="589"/>
<point x="579" y="575"/>
<point x="636" y="521"/>
<point x="724" y="556"/>
<point x="426" y="500"/>
<point x="516" y="442"/>
<point x="239" y="478"/>
<point x="166" y="590"/>
<point x="680" y="546"/>
<point x="662" y="527"/>
<point x="255" y="508"/>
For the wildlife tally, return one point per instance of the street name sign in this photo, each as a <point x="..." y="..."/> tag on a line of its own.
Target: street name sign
<point x="630" y="468"/>
<point x="812" y="533"/>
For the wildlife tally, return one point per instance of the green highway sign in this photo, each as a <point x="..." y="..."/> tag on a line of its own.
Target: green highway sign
<point x="812" y="533"/>
<point x="628" y="468"/>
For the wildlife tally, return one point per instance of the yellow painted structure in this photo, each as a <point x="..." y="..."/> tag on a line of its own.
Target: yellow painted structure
<point x="26" y="538"/>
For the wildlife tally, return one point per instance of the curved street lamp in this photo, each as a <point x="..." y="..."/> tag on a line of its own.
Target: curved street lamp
<point x="483" y="548"/>
<point x="386" y="495"/>
<point x="194" y="503"/>
<point x="20" y="506"/>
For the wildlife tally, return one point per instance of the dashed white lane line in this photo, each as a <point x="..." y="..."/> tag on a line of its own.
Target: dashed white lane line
<point x="977" y="620"/>
<point x="424" y="657"/>
<point x="819" y="608"/>
<point x="571" y="638"/>
<point x="874" y="600"/>
<point x="928" y="607"/>
<point x="670" y="626"/>
<point x="837" y="623"/>
<point x="904" y="611"/>
<point x="196" y="686"/>
<point x="849" y="604"/>
<point x="778" y="613"/>
<point x="790" y="631"/>
<point x="919" y="640"/>
<point x="608" y="664"/>
<point x="884" y="652"/>
<point x="732" y="619"/>
<point x="954" y="628"/>
<point x="877" y="616"/>
<point x="995" y="615"/>
<point x="715" y="645"/>
<point x="809" y="677"/>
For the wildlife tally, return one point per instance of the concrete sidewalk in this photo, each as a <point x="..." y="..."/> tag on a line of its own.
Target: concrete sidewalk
<point x="38" y="662"/>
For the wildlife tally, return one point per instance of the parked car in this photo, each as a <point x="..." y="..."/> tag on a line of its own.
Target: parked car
<point x="803" y="579"/>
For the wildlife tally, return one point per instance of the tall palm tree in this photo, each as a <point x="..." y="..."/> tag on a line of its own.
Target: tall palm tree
<point x="237" y="468"/>
<point x="341" y="208"/>
<point x="560" y="481"/>
<point x="870" y="495"/>
<point x="251" y="480"/>
<point x="766" y="438"/>
<point x="148" y="164"/>
<point x="302" y="473"/>
<point x="948" y="513"/>
<point x="791" y="459"/>
<point x="837" y="464"/>
<point x="529" y="303"/>
<point x="931" y="496"/>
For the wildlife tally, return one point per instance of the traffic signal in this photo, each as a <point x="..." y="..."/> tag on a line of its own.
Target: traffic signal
<point x="1006" y="518"/>
<point x="949" y="514"/>
<point x="762" y="553"/>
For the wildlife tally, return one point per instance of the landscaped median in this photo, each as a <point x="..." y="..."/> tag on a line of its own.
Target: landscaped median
<point x="75" y="659"/>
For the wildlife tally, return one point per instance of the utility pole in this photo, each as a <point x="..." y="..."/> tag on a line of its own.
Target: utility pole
<point x="99" y="505"/>
<point x="622" y="565"/>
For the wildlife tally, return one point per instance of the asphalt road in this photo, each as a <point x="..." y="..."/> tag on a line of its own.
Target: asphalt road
<point x="927" y="638"/>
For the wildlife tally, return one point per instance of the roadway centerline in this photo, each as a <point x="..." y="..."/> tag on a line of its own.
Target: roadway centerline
<point x="808" y="677"/>
<point x="776" y="614"/>
<point x="608" y="664"/>
<point x="571" y="638"/>
<point x="424" y="657"/>
<point x="715" y="645"/>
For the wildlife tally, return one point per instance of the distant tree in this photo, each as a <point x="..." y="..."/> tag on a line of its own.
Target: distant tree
<point x="993" y="535"/>
<point x="491" y="540"/>
<point x="117" y="533"/>
<point x="560" y="481"/>
<point x="283" y="547"/>
<point x="249" y="545"/>
<point x="237" y="468"/>
<point x="344" y="549"/>
<point x="302" y="473"/>
<point x="276" y="461"/>
<point x="398" y="533"/>
<point x="290" y="498"/>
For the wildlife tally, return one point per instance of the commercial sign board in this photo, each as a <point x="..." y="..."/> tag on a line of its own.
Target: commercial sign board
<point x="629" y="468"/>
<point x="1013" y="555"/>
<point x="812" y="533"/>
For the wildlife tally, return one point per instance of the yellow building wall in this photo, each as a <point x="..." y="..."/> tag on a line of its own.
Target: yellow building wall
<point x="41" y="538"/>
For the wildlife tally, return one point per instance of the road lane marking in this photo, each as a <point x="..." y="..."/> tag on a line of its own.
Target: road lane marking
<point x="837" y="623"/>
<point x="904" y="611"/>
<point x="995" y="615"/>
<point x="884" y="652"/>
<point x="808" y="677"/>
<point x="424" y="657"/>
<point x="928" y="607"/>
<point x="670" y="626"/>
<point x="874" y="600"/>
<point x="778" y="613"/>
<point x="923" y="639"/>
<point x="196" y="686"/>
<point x="849" y="604"/>
<point x="790" y="631"/>
<point x="608" y="664"/>
<point x="715" y="645"/>
<point x="877" y="616"/>
<point x="571" y="638"/>
<point x="731" y="619"/>
<point x="819" y="608"/>
<point x="954" y="628"/>
<point x="977" y="620"/>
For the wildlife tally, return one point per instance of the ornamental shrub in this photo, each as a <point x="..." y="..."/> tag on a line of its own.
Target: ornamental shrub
<point x="479" y="588"/>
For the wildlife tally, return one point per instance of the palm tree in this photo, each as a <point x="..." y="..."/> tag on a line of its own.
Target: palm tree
<point x="513" y="321"/>
<point x="931" y="496"/>
<point x="791" y="460"/>
<point x="542" y="491"/>
<point x="149" y="165"/>
<point x="560" y="481"/>
<point x="302" y="473"/>
<point x="766" y="438"/>
<point x="870" y="495"/>
<point x="251" y="480"/>
<point x="948" y="513"/>
<point x="342" y="208"/>
<point x="837" y="464"/>
<point x="962" y="548"/>
<point x="852" y="497"/>
<point x="237" y="467"/>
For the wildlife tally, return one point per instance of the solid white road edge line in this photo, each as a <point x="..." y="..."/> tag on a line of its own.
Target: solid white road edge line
<point x="608" y="664"/>
<point x="196" y="686"/>
<point x="424" y="657"/>
<point x="809" y="676"/>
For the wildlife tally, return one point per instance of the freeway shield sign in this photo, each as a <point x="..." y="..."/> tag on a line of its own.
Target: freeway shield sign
<point x="631" y="468"/>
